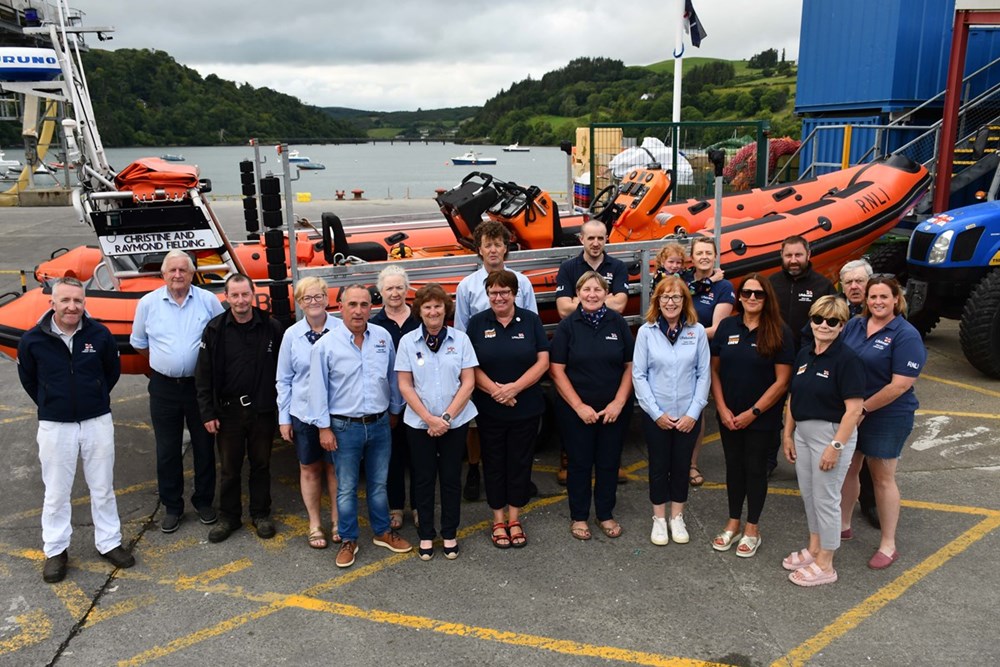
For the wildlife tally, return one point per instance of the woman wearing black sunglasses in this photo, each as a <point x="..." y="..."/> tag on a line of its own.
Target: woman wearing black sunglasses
<point x="752" y="356"/>
<point x="820" y="434"/>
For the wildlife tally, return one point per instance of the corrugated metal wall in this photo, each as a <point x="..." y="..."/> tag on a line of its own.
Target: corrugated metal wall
<point x="828" y="145"/>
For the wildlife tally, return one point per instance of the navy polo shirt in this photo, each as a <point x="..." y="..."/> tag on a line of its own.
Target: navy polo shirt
<point x="595" y="358"/>
<point x="822" y="382"/>
<point x="505" y="354"/>
<point x="613" y="270"/>
<point x="396" y="331"/>
<point x="896" y="349"/>
<point x="705" y="300"/>
<point x="745" y="374"/>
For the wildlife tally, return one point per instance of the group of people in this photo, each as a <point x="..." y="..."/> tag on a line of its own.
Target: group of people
<point x="404" y="391"/>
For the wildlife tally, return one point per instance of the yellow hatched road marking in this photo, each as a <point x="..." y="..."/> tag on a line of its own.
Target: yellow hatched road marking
<point x="208" y="576"/>
<point x="883" y="596"/>
<point x="35" y="627"/>
<point x="78" y="603"/>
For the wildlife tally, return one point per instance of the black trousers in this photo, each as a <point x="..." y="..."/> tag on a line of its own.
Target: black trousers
<point x="245" y="433"/>
<point x="592" y="449"/>
<point x="172" y="404"/>
<point x="399" y="463"/>
<point x="669" y="454"/>
<point x="746" y="469"/>
<point x="436" y="459"/>
<point x="507" y="451"/>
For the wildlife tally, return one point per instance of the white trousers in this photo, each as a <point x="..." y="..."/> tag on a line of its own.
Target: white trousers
<point x="59" y="445"/>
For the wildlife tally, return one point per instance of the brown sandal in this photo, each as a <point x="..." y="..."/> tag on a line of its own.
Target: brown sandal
<point x="610" y="528"/>
<point x="580" y="532"/>
<point x="501" y="540"/>
<point x="517" y="540"/>
<point x="317" y="538"/>
<point x="335" y="534"/>
<point x="697" y="479"/>
<point x="395" y="519"/>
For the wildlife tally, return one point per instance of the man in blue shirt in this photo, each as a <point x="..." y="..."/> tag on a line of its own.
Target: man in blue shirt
<point x="352" y="392"/>
<point x="68" y="364"/>
<point x="167" y="331"/>
<point x="492" y="239"/>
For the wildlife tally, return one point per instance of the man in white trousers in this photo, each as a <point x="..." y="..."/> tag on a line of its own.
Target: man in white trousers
<point x="68" y="364"/>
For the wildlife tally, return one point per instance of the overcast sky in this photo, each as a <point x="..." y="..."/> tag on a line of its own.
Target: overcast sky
<point x="390" y="55"/>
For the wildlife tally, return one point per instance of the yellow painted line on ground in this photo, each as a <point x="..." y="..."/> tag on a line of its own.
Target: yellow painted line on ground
<point x="77" y="603"/>
<point x="208" y="576"/>
<point x="852" y="618"/>
<point x="951" y="413"/>
<point x="35" y="627"/>
<point x="537" y="642"/>
<point x="201" y="635"/>
<point x="961" y="385"/>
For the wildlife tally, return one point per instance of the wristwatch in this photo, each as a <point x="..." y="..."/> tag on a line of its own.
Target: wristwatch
<point x="755" y="411"/>
<point x="837" y="444"/>
<point x="447" y="418"/>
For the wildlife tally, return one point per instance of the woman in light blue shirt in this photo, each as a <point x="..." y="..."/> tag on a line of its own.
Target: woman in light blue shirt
<point x="312" y="295"/>
<point x="435" y="367"/>
<point x="671" y="375"/>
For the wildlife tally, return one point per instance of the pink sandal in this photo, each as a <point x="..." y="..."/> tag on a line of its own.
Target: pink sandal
<point x="797" y="560"/>
<point x="812" y="575"/>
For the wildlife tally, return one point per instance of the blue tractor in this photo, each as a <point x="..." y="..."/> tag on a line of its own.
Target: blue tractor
<point x="953" y="265"/>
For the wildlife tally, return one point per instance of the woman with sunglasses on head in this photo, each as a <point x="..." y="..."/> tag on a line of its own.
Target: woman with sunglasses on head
<point x="513" y="353"/>
<point x="893" y="355"/>
<point x="752" y="357"/>
<point x="820" y="434"/>
<point x="713" y="302"/>
<point x="670" y="372"/>
<point x="292" y="382"/>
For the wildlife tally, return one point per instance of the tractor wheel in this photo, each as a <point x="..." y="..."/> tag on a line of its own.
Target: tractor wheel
<point x="979" y="331"/>
<point x="889" y="257"/>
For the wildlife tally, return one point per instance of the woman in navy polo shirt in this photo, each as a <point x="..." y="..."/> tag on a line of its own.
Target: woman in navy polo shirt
<point x="671" y="375"/>
<point x="513" y="354"/>
<point x="752" y="357"/>
<point x="820" y="433"/>
<point x="893" y="355"/>
<point x="435" y="367"/>
<point x="713" y="301"/>
<point x="591" y="366"/>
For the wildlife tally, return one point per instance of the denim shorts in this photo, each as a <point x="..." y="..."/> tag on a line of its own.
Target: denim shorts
<point x="883" y="438"/>
<point x="307" y="447"/>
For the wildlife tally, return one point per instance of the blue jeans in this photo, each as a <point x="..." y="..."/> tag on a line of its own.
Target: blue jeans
<point x="373" y="443"/>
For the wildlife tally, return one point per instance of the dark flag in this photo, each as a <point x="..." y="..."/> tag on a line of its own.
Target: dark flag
<point x="693" y="24"/>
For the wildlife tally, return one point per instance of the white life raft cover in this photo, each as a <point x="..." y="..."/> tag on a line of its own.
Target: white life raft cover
<point x="637" y="157"/>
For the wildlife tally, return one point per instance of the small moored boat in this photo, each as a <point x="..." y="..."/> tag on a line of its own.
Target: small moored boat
<point x="516" y="148"/>
<point x="170" y="157"/>
<point x="473" y="158"/>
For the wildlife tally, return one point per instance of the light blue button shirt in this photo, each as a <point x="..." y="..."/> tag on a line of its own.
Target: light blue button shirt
<point x="470" y="297"/>
<point x="293" y="369"/>
<point x="671" y="378"/>
<point x="171" y="332"/>
<point x="437" y="375"/>
<point x="349" y="381"/>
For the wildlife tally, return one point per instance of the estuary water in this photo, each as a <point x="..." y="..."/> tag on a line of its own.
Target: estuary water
<point x="384" y="171"/>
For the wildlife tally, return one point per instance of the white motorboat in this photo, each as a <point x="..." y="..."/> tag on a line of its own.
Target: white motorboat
<point x="516" y="148"/>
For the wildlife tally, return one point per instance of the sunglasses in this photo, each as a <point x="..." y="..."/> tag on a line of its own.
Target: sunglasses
<point x="831" y="322"/>
<point x="756" y="293"/>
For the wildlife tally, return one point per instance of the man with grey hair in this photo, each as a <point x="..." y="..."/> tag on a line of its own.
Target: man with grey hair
<point x="167" y="331"/>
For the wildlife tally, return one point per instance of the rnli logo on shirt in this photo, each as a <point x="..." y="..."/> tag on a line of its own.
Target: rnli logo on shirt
<point x="490" y="333"/>
<point x="912" y="364"/>
<point x="88" y="349"/>
<point x="806" y="297"/>
<point x="560" y="288"/>
<point x="451" y="350"/>
<point x="882" y="343"/>
<point x="609" y="277"/>
<point x="381" y="346"/>
<point x="802" y="369"/>
<point x="518" y="336"/>
<point x="734" y="340"/>
<point x="611" y="336"/>
<point x="689" y="337"/>
<point x="825" y="374"/>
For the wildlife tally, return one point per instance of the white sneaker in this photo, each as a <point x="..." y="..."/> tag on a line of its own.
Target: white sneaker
<point x="659" y="536"/>
<point x="679" y="530"/>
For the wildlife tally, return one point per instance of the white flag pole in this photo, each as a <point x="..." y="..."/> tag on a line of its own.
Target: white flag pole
<point x="678" y="57"/>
